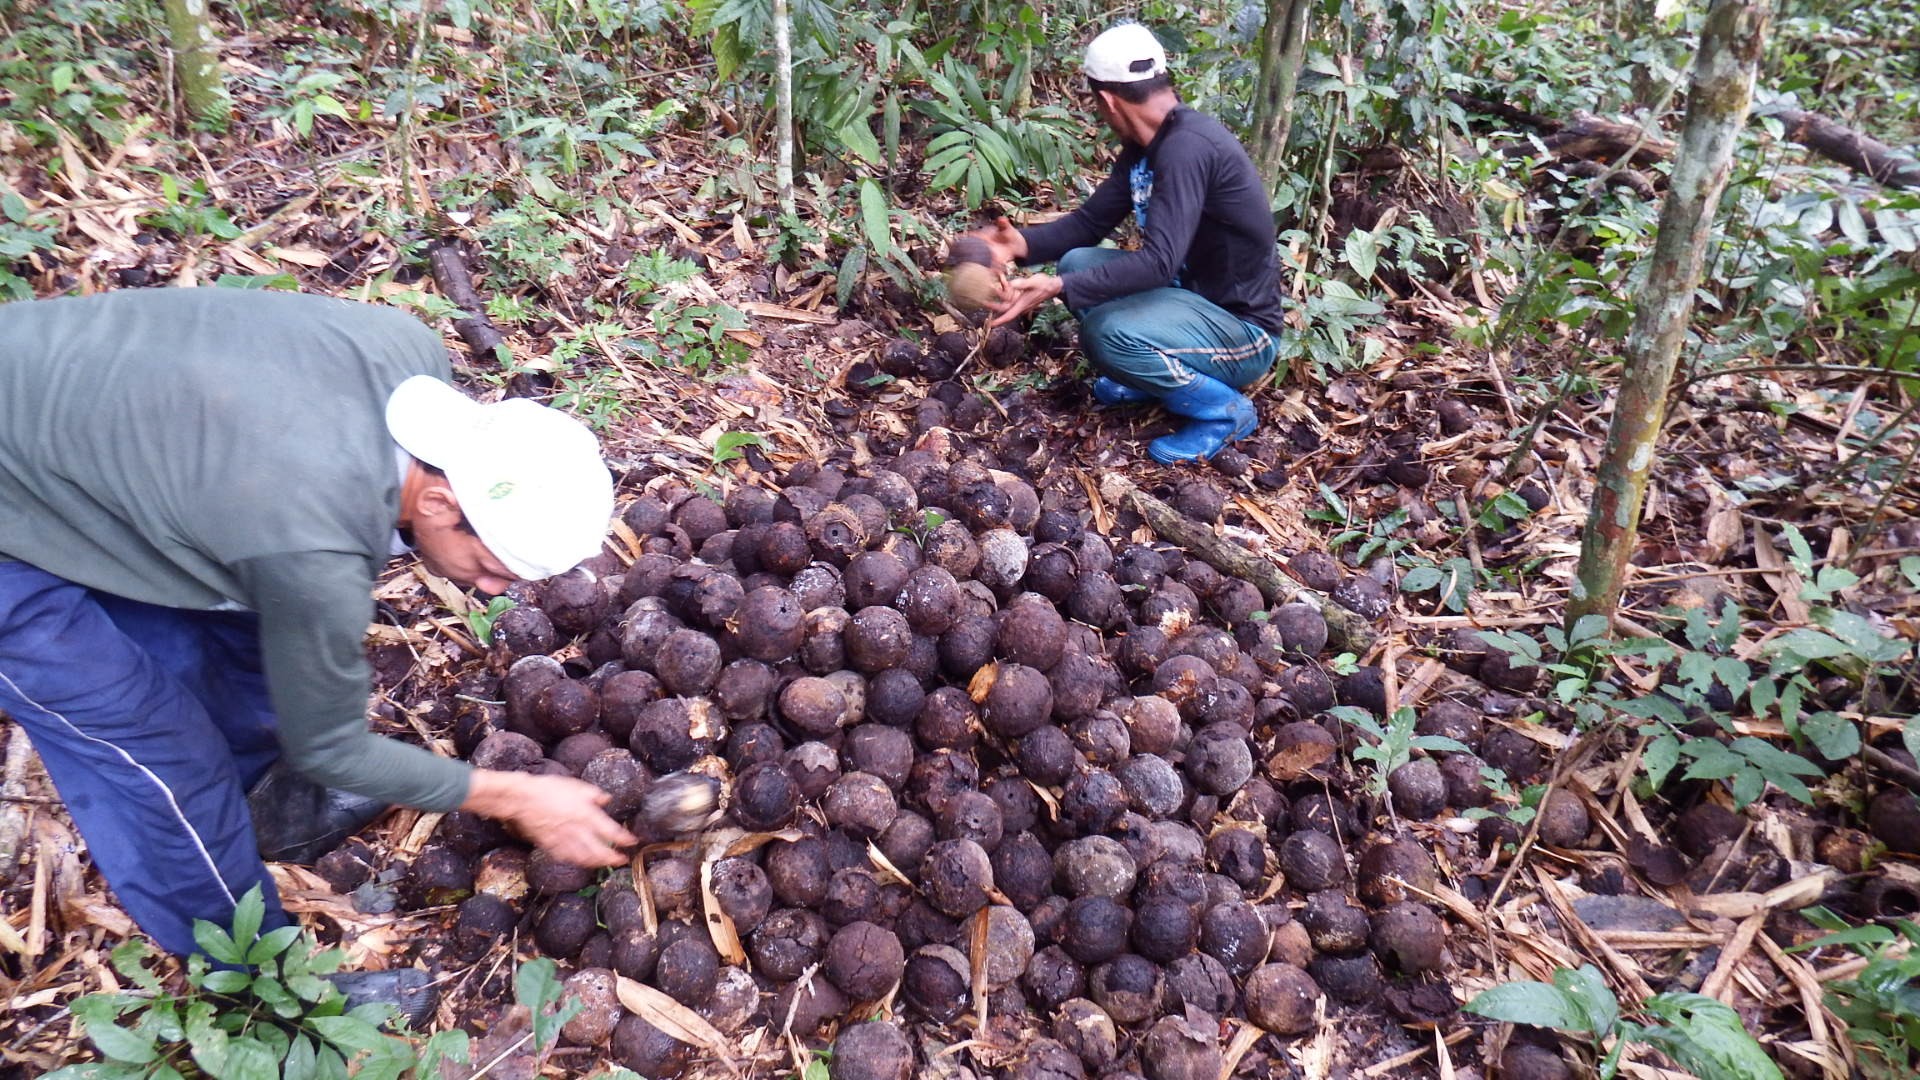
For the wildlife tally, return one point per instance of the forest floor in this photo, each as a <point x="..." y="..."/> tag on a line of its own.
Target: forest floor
<point x="1391" y="453"/>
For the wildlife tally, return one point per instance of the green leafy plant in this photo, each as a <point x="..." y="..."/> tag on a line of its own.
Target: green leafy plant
<point x="481" y="621"/>
<point x="1518" y="807"/>
<point x="59" y="82"/>
<point x="1504" y="509"/>
<point x="594" y="395"/>
<point x="1704" y="1036"/>
<point x="929" y="520"/>
<point x="598" y="135"/>
<point x="985" y="146"/>
<point x="190" y="211"/>
<point x="1335" y="315"/>
<point x="1451" y="582"/>
<point x="1880" y="1005"/>
<point x="299" y="94"/>
<point x="22" y="232"/>
<point x="815" y="1065"/>
<point x="650" y="274"/>
<point x="267" y="1012"/>
<point x="1392" y="744"/>
<point x="1374" y="538"/>
<point x="1701" y="684"/>
<point x="696" y="336"/>
<point x="732" y="445"/>
<point x="281" y="282"/>
<point x="529" y="240"/>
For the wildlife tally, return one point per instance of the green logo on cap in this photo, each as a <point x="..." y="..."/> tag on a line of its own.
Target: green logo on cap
<point x="500" y="490"/>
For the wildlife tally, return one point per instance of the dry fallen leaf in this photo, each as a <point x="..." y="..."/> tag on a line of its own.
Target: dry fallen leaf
<point x="678" y="1021"/>
<point x="726" y="937"/>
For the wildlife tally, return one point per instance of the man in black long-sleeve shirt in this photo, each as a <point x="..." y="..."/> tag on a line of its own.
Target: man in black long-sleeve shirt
<point x="1190" y="317"/>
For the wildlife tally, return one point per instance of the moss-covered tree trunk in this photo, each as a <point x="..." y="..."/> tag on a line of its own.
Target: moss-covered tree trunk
<point x="1717" y="100"/>
<point x="1283" y="45"/>
<point x="196" y="62"/>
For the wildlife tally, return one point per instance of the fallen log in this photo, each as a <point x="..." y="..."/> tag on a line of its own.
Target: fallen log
<point x="1345" y="629"/>
<point x="1594" y="139"/>
<point x="450" y="272"/>
<point x="1838" y="142"/>
<point x="1590" y="138"/>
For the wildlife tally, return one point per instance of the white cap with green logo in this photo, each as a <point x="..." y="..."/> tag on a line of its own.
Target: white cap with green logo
<point x="529" y="478"/>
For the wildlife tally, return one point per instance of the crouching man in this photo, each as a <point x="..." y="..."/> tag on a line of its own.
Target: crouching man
<point x="1190" y="318"/>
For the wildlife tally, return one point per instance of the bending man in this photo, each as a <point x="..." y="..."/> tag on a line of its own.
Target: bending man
<point x="198" y="489"/>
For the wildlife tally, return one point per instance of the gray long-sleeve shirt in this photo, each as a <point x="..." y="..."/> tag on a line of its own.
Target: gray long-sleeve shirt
<point x="218" y="448"/>
<point x="1208" y="224"/>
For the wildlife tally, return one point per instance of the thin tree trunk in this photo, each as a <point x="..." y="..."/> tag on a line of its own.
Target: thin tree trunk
<point x="196" y="62"/>
<point x="1283" y="45"/>
<point x="1717" y="102"/>
<point x="783" y="98"/>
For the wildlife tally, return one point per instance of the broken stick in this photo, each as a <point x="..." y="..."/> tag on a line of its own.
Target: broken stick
<point x="456" y="282"/>
<point x="1347" y="630"/>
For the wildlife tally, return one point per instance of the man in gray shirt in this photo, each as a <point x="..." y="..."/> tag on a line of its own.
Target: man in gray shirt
<point x="198" y="490"/>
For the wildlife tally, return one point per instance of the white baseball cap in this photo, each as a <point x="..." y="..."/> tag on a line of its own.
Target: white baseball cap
<point x="1125" y="53"/>
<point x="529" y="478"/>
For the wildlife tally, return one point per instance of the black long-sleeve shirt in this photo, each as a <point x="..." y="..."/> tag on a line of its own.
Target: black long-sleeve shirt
<point x="1208" y="224"/>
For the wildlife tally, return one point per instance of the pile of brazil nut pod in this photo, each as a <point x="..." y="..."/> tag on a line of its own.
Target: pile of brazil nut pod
<point x="917" y="758"/>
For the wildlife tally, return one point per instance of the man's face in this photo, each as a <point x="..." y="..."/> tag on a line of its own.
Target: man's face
<point x="1106" y="108"/>
<point x="452" y="552"/>
<point x="1097" y="104"/>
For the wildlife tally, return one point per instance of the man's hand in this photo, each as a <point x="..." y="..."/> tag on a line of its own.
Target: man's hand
<point x="558" y="813"/>
<point x="1005" y="241"/>
<point x="1023" y="295"/>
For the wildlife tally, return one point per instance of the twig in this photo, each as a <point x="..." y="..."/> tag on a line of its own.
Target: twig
<point x="1565" y="769"/>
<point x="488" y="1067"/>
<point x="1892" y="766"/>
<point x="1623" y="969"/>
<point x="1736" y="950"/>
<point x="1346" y="629"/>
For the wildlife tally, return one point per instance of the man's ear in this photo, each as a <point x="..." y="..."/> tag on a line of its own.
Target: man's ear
<point x="435" y="502"/>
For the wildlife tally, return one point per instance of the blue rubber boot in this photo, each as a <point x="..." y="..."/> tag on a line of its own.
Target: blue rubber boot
<point x="1112" y="393"/>
<point x="1219" y="414"/>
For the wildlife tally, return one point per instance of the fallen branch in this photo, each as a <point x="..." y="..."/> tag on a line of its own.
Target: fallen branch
<point x="1838" y="142"/>
<point x="456" y="283"/>
<point x="1590" y="138"/>
<point x="1345" y="629"/>
<point x="1893" y="767"/>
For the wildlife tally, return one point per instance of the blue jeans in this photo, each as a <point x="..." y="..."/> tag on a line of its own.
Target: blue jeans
<point x="1157" y="341"/>
<point x="152" y="722"/>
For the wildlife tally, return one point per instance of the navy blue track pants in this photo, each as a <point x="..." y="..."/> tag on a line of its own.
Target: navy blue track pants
<point x="153" y="722"/>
